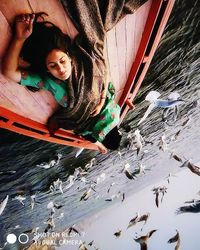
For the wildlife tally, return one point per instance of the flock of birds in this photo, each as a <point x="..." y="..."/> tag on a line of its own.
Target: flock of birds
<point x="136" y="142"/>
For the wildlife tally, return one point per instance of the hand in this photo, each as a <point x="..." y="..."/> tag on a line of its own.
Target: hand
<point x="97" y="109"/>
<point x="24" y="26"/>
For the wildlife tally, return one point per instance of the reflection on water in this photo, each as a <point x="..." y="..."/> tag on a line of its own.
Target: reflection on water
<point x="26" y="174"/>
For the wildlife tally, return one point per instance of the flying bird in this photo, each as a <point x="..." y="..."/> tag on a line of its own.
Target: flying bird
<point x="143" y="240"/>
<point x="172" y="102"/>
<point x="3" y="204"/>
<point x="193" y="168"/>
<point x="118" y="233"/>
<point x="193" y="208"/>
<point x="127" y="172"/>
<point x="175" y="238"/>
<point x="138" y="218"/>
<point x="157" y="191"/>
<point x="73" y="230"/>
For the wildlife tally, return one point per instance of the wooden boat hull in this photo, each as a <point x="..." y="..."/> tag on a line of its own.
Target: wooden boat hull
<point x="130" y="48"/>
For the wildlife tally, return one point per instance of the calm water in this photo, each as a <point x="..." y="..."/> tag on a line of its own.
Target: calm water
<point x="175" y="67"/>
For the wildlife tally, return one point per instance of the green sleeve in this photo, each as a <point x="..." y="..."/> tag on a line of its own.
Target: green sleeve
<point x="33" y="80"/>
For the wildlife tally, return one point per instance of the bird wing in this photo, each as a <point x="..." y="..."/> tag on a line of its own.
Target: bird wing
<point x="157" y="200"/>
<point x="173" y="96"/>
<point x="3" y="204"/>
<point x="193" y="168"/>
<point x="151" y="232"/>
<point x="148" y="111"/>
<point x="79" y="151"/>
<point x="175" y="238"/>
<point x="152" y="96"/>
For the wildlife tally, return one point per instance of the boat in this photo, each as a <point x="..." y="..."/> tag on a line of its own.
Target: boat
<point x="130" y="48"/>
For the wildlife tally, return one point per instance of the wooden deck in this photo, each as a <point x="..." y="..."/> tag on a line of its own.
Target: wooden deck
<point x="122" y="44"/>
<point x="126" y="48"/>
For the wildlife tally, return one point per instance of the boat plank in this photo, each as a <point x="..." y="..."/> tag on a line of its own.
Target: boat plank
<point x="21" y="97"/>
<point x="121" y="52"/>
<point x="112" y="57"/>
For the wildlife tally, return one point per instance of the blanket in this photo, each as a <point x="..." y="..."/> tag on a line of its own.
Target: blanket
<point x="92" y="18"/>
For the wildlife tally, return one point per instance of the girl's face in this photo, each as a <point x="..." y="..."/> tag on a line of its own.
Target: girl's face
<point x="59" y="64"/>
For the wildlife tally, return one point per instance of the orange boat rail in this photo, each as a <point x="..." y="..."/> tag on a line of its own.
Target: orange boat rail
<point x="19" y="124"/>
<point x="156" y="22"/>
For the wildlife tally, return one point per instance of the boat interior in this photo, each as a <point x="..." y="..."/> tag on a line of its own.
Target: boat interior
<point x="129" y="47"/>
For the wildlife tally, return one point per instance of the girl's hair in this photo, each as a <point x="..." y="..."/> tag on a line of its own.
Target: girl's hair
<point x="44" y="38"/>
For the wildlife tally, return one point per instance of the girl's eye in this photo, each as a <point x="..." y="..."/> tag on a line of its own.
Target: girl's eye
<point x="52" y="66"/>
<point x="62" y="61"/>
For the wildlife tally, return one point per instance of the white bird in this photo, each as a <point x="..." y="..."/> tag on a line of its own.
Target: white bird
<point x="20" y="198"/>
<point x="3" y="204"/>
<point x="163" y="143"/>
<point x="51" y="163"/>
<point x="101" y="178"/>
<point x="138" y="140"/>
<point x="79" y="151"/>
<point x="56" y="185"/>
<point x="152" y="97"/>
<point x="90" y="164"/>
<point x="33" y="200"/>
<point x="71" y="179"/>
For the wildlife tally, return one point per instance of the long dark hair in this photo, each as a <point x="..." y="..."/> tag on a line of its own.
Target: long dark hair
<point x="45" y="37"/>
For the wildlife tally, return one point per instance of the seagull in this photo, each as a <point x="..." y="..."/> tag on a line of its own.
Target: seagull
<point x="172" y="102"/>
<point x="52" y="163"/>
<point x="138" y="141"/>
<point x="152" y="98"/>
<point x="127" y="172"/>
<point x="3" y="204"/>
<point x="140" y="170"/>
<point x="33" y="200"/>
<point x="163" y="144"/>
<point x="101" y="178"/>
<point x="71" y="179"/>
<point x="176" y="157"/>
<point x="175" y="238"/>
<point x="118" y="233"/>
<point x="90" y="164"/>
<point x="56" y="185"/>
<point x="51" y="205"/>
<point x="20" y="198"/>
<point x="193" y="168"/>
<point x="143" y="239"/>
<point x="91" y="243"/>
<point x="193" y="208"/>
<point x="157" y="192"/>
<point x="73" y="230"/>
<point x="138" y="218"/>
<point x="50" y="224"/>
<point x="133" y="221"/>
<point x="82" y="246"/>
<point x="86" y="195"/>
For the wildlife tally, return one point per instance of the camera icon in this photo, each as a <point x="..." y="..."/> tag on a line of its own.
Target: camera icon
<point x="22" y="238"/>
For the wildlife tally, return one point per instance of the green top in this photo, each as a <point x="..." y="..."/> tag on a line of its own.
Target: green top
<point x="108" y="117"/>
<point x="56" y="87"/>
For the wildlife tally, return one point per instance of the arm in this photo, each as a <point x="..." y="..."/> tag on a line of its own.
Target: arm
<point x="23" y="29"/>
